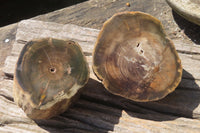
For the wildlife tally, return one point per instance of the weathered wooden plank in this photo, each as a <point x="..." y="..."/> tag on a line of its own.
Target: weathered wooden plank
<point x="6" y="89"/>
<point x="172" y="104"/>
<point x="9" y="65"/>
<point x="182" y="102"/>
<point x="99" y="112"/>
<point x="184" y="47"/>
<point x="31" y="29"/>
<point x="92" y="14"/>
<point x="86" y="37"/>
<point x="13" y="117"/>
<point x="190" y="65"/>
<point x="19" y="128"/>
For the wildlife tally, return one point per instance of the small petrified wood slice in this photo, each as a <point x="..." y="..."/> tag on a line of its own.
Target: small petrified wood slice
<point x="134" y="58"/>
<point x="189" y="9"/>
<point x="48" y="76"/>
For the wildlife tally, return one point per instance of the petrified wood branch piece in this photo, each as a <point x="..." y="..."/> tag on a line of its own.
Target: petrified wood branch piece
<point x="48" y="76"/>
<point x="135" y="59"/>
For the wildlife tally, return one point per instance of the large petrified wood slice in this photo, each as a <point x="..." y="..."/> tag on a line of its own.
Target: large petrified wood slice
<point x="48" y="76"/>
<point x="189" y="9"/>
<point x="134" y="58"/>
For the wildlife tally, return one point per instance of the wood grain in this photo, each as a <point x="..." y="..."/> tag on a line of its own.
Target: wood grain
<point x="183" y="102"/>
<point x="96" y="111"/>
<point x="172" y="104"/>
<point x="86" y="37"/>
<point x="175" y="113"/>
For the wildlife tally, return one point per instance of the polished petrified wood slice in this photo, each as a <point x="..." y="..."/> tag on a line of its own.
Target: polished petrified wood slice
<point x="189" y="9"/>
<point x="48" y="76"/>
<point x="134" y="58"/>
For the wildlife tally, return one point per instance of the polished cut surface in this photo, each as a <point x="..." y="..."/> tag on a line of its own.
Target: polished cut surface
<point x="48" y="75"/>
<point x="134" y="58"/>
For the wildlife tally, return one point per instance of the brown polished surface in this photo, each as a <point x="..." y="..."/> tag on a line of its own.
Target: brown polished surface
<point x="134" y="58"/>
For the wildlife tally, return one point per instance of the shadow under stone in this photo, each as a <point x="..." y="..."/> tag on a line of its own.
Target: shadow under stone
<point x="190" y="29"/>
